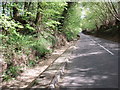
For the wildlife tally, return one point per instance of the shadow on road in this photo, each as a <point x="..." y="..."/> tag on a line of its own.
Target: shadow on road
<point x="91" y="66"/>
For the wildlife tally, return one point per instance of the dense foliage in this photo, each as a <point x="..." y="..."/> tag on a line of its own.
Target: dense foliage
<point x="31" y="30"/>
<point x="101" y="19"/>
<point x="95" y="14"/>
<point x="72" y="22"/>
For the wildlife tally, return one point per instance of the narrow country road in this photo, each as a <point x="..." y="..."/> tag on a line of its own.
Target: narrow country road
<point x="93" y="64"/>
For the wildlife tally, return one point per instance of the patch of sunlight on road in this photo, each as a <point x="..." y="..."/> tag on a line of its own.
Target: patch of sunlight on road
<point x="80" y="80"/>
<point x="79" y="70"/>
<point x="74" y="47"/>
<point x="86" y="54"/>
<point x="92" y="44"/>
<point x="77" y="81"/>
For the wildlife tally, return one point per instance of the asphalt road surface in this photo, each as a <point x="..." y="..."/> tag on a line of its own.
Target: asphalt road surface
<point x="92" y="64"/>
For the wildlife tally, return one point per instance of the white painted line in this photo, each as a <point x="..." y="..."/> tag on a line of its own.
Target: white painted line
<point x="103" y="47"/>
<point x="106" y="49"/>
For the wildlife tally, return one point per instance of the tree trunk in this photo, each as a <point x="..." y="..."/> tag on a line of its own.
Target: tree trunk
<point x="25" y="5"/>
<point x="3" y="6"/>
<point x="11" y="13"/>
<point x="29" y="6"/>
<point x="38" y="15"/>
<point x="15" y="12"/>
<point x="119" y="9"/>
<point x="64" y="14"/>
<point x="16" y="15"/>
<point x="112" y="11"/>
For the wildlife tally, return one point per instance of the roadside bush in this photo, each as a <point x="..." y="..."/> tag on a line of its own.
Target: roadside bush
<point x="9" y="26"/>
<point x="11" y="72"/>
<point x="41" y="47"/>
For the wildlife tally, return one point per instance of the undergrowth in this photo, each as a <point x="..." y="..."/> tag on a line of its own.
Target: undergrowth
<point x="25" y="42"/>
<point x="21" y="50"/>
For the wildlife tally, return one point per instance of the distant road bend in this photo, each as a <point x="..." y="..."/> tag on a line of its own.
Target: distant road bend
<point x="93" y="64"/>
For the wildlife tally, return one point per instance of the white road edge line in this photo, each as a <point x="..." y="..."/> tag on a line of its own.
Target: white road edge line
<point x="103" y="47"/>
<point x="106" y="49"/>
